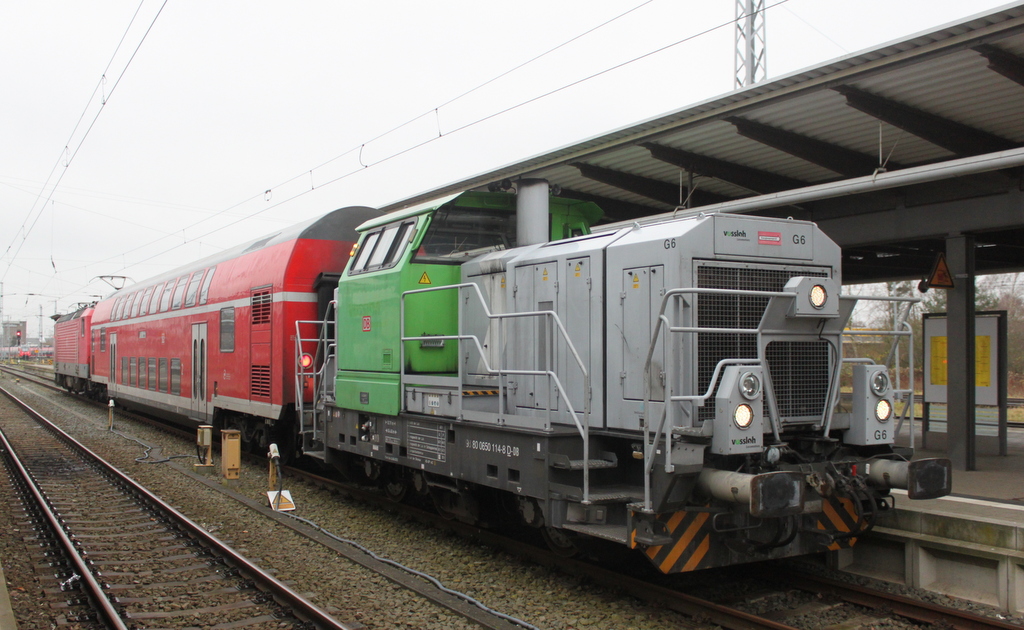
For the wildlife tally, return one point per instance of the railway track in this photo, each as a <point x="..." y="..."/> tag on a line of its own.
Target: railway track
<point x="794" y="600"/>
<point x="134" y="560"/>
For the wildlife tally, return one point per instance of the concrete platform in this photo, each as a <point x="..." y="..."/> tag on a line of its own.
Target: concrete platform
<point x="968" y="545"/>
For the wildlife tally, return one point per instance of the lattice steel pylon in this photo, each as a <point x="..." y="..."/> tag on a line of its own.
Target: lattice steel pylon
<point x="751" y="58"/>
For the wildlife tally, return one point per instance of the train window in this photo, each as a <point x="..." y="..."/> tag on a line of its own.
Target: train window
<point x="155" y="304"/>
<point x="179" y="292"/>
<point x="137" y="304"/>
<point x="364" y="252"/>
<point x="193" y="288"/>
<point x="144" y="307"/>
<point x="123" y="309"/>
<point x="113" y="310"/>
<point x="163" y="376"/>
<point x="455" y="233"/>
<point x="124" y="370"/>
<point x="165" y="299"/>
<point x="152" y="374"/>
<point x="383" y="248"/>
<point x="227" y="329"/>
<point x="103" y="339"/>
<point x="176" y="376"/>
<point x="205" y="290"/>
<point x="142" y="373"/>
<point x="81" y="324"/>
<point x="133" y="370"/>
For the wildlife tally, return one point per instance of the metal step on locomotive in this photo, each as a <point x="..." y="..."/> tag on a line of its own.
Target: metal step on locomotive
<point x="679" y="387"/>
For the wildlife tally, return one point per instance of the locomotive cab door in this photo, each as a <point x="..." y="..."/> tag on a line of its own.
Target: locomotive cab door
<point x="199" y="404"/>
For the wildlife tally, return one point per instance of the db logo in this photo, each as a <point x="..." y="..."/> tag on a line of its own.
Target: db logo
<point x="366" y="323"/>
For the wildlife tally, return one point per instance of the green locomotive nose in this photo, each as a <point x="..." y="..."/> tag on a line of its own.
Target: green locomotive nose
<point x="413" y="249"/>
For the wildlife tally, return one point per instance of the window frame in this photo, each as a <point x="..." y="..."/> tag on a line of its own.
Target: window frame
<point x="192" y="293"/>
<point x="226" y="324"/>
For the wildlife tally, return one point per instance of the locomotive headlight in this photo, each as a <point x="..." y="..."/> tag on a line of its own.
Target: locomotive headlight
<point x="750" y="385"/>
<point x="305" y="361"/>
<point x="818" y="296"/>
<point x="880" y="383"/>
<point x="883" y="410"/>
<point x="743" y="416"/>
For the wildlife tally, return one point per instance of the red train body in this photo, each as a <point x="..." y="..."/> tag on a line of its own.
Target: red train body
<point x="213" y="342"/>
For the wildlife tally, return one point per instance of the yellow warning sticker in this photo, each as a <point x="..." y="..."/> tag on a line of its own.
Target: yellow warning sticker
<point x="577" y="270"/>
<point x="636" y="281"/>
<point x="425" y="279"/>
<point x="940" y="277"/>
<point x="544" y="276"/>
<point x="503" y="282"/>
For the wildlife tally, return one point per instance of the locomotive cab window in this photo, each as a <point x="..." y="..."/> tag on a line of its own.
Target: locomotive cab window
<point x="454" y="233"/>
<point x="383" y="248"/>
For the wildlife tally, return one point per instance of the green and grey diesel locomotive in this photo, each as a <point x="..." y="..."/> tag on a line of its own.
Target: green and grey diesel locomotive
<point x="676" y="386"/>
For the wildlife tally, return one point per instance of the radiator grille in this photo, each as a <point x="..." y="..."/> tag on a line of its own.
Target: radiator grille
<point x="800" y="376"/>
<point x="259" y="382"/>
<point x="735" y="311"/>
<point x="261" y="303"/>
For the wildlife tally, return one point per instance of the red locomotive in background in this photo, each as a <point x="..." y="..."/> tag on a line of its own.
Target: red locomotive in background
<point x="213" y="342"/>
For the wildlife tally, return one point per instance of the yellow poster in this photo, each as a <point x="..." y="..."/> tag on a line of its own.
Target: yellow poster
<point x="938" y="371"/>
<point x="982" y="361"/>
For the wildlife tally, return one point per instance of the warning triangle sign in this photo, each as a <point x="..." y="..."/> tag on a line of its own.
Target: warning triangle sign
<point x="940" y="277"/>
<point x="424" y="279"/>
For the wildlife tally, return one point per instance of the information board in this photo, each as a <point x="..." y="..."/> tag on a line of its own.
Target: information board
<point x="986" y="360"/>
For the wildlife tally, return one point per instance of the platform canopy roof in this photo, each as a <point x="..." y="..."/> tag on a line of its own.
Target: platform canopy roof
<point x="890" y="150"/>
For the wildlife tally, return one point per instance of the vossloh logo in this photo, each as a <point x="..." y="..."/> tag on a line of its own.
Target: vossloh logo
<point x="735" y="233"/>
<point x="750" y="439"/>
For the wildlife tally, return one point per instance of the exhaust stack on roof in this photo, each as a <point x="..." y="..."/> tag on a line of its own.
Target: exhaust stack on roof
<point x="532" y="222"/>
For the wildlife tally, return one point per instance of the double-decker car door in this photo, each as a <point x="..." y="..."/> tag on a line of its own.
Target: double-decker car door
<point x="199" y="360"/>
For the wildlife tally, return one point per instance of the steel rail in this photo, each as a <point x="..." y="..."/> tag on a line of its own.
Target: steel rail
<point x="300" y="606"/>
<point x="94" y="591"/>
<point x="902" y="606"/>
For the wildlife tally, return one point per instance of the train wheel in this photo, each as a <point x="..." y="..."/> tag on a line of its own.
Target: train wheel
<point x="559" y="541"/>
<point x="396" y="486"/>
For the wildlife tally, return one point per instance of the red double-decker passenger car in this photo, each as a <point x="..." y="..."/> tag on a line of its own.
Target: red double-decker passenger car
<point x="213" y="342"/>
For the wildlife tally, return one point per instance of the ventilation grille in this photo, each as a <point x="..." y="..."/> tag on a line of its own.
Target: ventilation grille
<point x="259" y="382"/>
<point x="261" y="303"/>
<point x="735" y="311"/>
<point x="800" y="376"/>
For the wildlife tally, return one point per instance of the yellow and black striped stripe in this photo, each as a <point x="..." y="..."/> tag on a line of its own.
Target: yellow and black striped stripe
<point x="480" y="392"/>
<point x="691" y="542"/>
<point x="838" y="514"/>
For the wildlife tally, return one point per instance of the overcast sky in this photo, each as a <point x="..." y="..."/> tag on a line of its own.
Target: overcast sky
<point x="164" y="151"/>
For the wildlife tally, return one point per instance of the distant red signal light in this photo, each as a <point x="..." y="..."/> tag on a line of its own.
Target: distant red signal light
<point x="305" y="361"/>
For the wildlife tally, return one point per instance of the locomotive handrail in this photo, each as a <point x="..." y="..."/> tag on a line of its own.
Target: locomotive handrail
<point x="664" y="325"/>
<point x="582" y="427"/>
<point x="321" y="359"/>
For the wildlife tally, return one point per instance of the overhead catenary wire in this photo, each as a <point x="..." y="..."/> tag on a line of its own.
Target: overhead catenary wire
<point x="441" y="134"/>
<point x="66" y="152"/>
<point x="365" y="165"/>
